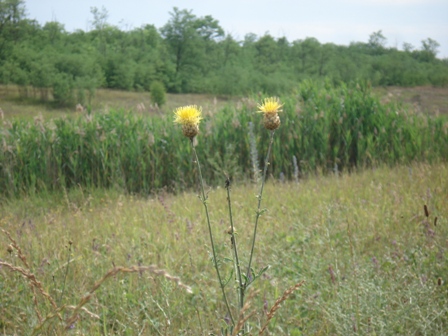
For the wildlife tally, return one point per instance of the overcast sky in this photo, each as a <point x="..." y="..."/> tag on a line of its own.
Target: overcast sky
<point x="336" y="21"/>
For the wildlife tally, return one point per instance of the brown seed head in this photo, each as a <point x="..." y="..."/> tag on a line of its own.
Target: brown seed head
<point x="190" y="130"/>
<point x="271" y="121"/>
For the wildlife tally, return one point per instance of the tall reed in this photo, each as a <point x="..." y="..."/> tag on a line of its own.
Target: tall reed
<point x="343" y="125"/>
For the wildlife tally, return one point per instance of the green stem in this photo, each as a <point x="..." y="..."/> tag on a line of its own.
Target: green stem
<point x="258" y="214"/>
<point x="66" y="272"/>
<point x="204" y="201"/>
<point x="235" y="250"/>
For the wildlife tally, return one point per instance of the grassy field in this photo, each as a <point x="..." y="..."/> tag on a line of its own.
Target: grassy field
<point x="373" y="260"/>
<point x="367" y="251"/>
<point x="426" y="100"/>
<point x="14" y="107"/>
<point x="423" y="99"/>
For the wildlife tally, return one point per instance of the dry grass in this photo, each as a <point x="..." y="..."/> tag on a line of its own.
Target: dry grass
<point x="424" y="99"/>
<point x="271" y="313"/>
<point x="373" y="260"/>
<point x="105" y="100"/>
<point x="37" y="287"/>
<point x="421" y="99"/>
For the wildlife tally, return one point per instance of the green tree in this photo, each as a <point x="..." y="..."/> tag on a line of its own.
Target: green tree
<point x="429" y="50"/>
<point x="42" y="75"/>
<point x="100" y="24"/>
<point x="180" y="35"/>
<point x="157" y="93"/>
<point x="307" y="53"/>
<point x="63" y="90"/>
<point x="408" y="47"/>
<point x="189" y="40"/>
<point x="268" y="54"/>
<point x="377" y="42"/>
<point x="12" y="12"/>
<point x="54" y="32"/>
<point x="230" y="50"/>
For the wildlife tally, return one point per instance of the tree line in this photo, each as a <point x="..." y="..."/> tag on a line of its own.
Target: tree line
<point x="191" y="54"/>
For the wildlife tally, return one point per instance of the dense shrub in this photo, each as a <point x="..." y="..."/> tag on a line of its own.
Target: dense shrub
<point x="63" y="90"/>
<point x="157" y="93"/>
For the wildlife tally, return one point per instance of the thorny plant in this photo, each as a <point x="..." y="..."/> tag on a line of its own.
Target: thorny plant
<point x="189" y="118"/>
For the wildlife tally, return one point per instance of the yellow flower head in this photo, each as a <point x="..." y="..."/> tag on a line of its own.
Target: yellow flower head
<point x="189" y="117"/>
<point x="270" y="105"/>
<point x="270" y="108"/>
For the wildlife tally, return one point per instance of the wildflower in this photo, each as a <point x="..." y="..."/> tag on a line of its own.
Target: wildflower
<point x="270" y="108"/>
<point x="189" y="117"/>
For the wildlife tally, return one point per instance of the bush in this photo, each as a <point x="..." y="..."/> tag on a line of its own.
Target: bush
<point x="63" y="90"/>
<point x="157" y="93"/>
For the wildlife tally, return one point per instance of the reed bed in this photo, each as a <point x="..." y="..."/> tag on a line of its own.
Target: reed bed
<point x="325" y="128"/>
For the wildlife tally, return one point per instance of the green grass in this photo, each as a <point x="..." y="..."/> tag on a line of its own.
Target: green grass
<point x="372" y="262"/>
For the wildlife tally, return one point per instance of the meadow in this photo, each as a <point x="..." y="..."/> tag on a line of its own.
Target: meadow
<point x="101" y="236"/>
<point x="425" y="99"/>
<point x="372" y="261"/>
<point x="16" y="107"/>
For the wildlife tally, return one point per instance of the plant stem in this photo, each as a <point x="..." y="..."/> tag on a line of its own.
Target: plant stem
<point x="235" y="250"/>
<point x="353" y="255"/>
<point x="204" y="201"/>
<point x="66" y="272"/>
<point x="258" y="214"/>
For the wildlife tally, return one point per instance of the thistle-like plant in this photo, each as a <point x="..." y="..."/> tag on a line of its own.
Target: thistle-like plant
<point x="271" y="120"/>
<point x="189" y="118"/>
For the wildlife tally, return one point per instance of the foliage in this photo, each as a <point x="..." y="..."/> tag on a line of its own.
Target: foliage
<point x="62" y="90"/>
<point x="157" y="93"/>
<point x="192" y="54"/>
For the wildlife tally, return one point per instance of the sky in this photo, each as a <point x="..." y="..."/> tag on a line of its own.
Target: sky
<point x="336" y="21"/>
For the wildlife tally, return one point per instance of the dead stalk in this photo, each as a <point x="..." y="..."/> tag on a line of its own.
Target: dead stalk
<point x="276" y="306"/>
